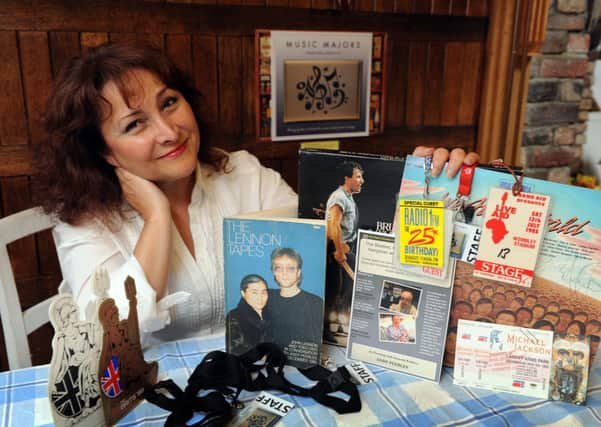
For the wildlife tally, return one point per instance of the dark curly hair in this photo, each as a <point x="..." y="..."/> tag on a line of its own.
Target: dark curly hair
<point x="79" y="182"/>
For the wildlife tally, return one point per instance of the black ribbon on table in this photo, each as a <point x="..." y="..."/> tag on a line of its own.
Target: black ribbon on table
<point x="261" y="368"/>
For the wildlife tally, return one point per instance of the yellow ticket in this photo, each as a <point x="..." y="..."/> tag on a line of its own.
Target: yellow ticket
<point x="421" y="232"/>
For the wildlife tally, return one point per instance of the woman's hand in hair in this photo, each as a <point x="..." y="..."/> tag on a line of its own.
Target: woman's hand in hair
<point x="143" y="195"/>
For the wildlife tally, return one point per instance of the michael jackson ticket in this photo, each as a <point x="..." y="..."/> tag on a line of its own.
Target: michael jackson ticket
<point x="503" y="358"/>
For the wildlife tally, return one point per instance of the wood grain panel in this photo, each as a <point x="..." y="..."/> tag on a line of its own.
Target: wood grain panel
<point x="434" y="83"/>
<point x="126" y="17"/>
<point x="37" y="78"/>
<point x="64" y="45"/>
<point x="277" y="3"/>
<point x="422" y="6"/>
<point x="13" y="124"/>
<point x="254" y="2"/>
<point x="364" y="5"/>
<point x="155" y="39"/>
<point x="322" y="4"/>
<point x="416" y="81"/>
<point x="22" y="253"/>
<point x="441" y="7"/>
<point x="40" y="345"/>
<point x="16" y="160"/>
<point x="47" y="257"/>
<point x="384" y="6"/>
<point x="229" y="2"/>
<point x="478" y="8"/>
<point x="275" y="164"/>
<point x="403" y="6"/>
<point x="230" y="92"/>
<point x="289" y="171"/>
<point x="303" y="4"/>
<point x="452" y="85"/>
<point x="89" y="40"/>
<point x="249" y="89"/>
<point x="459" y="7"/>
<point x="397" y="83"/>
<point x="204" y="62"/>
<point x="52" y="15"/>
<point x="179" y="49"/>
<point x="472" y="78"/>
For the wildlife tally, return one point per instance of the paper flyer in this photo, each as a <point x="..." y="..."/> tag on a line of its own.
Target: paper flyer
<point x="398" y="320"/>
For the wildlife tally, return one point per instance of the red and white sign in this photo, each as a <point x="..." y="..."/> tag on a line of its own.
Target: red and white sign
<point x="512" y="231"/>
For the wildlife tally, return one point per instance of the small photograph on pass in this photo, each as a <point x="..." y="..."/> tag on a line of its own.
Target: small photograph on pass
<point x="397" y="298"/>
<point x="397" y="328"/>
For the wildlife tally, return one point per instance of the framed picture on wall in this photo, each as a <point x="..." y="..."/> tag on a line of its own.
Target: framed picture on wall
<point x="314" y="85"/>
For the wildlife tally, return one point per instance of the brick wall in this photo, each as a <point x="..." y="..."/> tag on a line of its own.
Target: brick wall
<point x="559" y="95"/>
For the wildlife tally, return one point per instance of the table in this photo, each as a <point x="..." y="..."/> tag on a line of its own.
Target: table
<point x="396" y="399"/>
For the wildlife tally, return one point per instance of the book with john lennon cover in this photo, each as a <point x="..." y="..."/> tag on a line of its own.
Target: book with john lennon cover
<point x="369" y="205"/>
<point x="274" y="285"/>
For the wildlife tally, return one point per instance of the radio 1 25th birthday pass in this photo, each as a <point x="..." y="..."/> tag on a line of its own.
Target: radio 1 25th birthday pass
<point x="503" y="358"/>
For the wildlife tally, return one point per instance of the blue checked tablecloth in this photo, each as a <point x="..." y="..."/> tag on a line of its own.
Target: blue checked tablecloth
<point x="395" y="400"/>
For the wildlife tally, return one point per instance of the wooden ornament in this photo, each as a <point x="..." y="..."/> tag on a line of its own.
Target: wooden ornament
<point x="73" y="386"/>
<point x="122" y="370"/>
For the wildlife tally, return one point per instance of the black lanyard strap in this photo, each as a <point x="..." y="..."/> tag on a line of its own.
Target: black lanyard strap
<point x="261" y="368"/>
<point x="330" y="382"/>
<point x="182" y="406"/>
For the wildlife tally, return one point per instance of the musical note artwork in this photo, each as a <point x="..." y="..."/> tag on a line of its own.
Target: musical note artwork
<point x="318" y="91"/>
<point x="318" y="86"/>
<point x="322" y="94"/>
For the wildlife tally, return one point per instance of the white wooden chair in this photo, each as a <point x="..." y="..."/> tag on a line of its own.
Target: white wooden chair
<point x="17" y="324"/>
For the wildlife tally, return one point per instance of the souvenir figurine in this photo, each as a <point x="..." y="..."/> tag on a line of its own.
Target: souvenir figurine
<point x="123" y="372"/>
<point x="73" y="377"/>
<point x="569" y="375"/>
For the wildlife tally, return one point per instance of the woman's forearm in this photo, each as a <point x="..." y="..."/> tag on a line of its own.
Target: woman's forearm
<point x="153" y="250"/>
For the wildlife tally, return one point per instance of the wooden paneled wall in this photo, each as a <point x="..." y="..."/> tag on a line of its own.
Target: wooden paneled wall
<point x="435" y="59"/>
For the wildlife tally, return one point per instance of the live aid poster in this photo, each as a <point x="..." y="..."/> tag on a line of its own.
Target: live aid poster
<point x="565" y="295"/>
<point x="321" y="84"/>
<point x="503" y="358"/>
<point x="397" y="320"/>
<point x="248" y="247"/>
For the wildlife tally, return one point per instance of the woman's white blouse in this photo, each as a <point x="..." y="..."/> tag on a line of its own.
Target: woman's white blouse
<point x="193" y="304"/>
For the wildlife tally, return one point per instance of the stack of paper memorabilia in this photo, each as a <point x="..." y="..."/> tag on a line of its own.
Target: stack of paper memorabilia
<point x="543" y="273"/>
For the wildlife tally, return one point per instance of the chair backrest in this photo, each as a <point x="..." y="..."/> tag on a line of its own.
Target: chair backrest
<point x="17" y="324"/>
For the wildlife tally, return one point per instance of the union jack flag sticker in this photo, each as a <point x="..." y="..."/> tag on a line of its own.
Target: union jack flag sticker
<point x="110" y="381"/>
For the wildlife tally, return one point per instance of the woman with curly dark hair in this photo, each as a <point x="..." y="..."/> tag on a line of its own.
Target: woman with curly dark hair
<point x="138" y="190"/>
